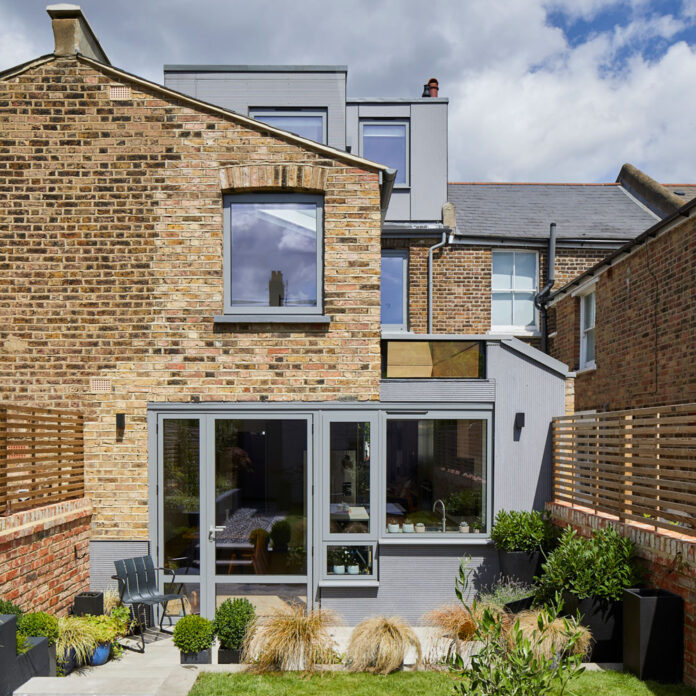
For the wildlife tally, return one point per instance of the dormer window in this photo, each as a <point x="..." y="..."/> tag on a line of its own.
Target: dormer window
<point x="310" y="124"/>
<point x="386" y="142"/>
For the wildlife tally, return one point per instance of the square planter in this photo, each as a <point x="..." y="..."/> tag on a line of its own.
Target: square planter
<point x="653" y="634"/>
<point x="518" y="605"/>
<point x="519" y="565"/>
<point x="204" y="657"/>
<point x="91" y="603"/>
<point x="604" y="618"/>
<point x="229" y="656"/>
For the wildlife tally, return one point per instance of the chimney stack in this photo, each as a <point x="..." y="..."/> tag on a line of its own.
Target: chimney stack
<point x="72" y="33"/>
<point x="433" y="87"/>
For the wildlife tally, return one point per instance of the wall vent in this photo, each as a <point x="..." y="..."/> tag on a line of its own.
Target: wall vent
<point x="120" y="92"/>
<point x="100" y="385"/>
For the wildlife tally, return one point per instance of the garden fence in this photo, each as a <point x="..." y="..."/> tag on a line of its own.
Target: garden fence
<point x="41" y="457"/>
<point x="638" y="465"/>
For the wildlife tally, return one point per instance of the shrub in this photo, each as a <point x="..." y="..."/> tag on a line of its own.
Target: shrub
<point x="600" y="567"/>
<point x="121" y="616"/>
<point x="193" y="633"/>
<point x="290" y="638"/>
<point x="505" y="591"/>
<point x="78" y="634"/>
<point x="523" y="531"/>
<point x="232" y="619"/>
<point x="379" y="645"/>
<point x="39" y="624"/>
<point x="7" y="607"/>
<point x="22" y="644"/>
<point x="106" y="628"/>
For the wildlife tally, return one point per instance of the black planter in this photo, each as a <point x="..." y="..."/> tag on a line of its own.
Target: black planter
<point x="519" y="566"/>
<point x="604" y="619"/>
<point x="518" y="605"/>
<point x="203" y="657"/>
<point x="91" y="603"/>
<point x="229" y="656"/>
<point x="653" y="635"/>
<point x="15" y="669"/>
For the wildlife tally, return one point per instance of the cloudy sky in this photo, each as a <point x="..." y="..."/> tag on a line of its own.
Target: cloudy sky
<point x="540" y="90"/>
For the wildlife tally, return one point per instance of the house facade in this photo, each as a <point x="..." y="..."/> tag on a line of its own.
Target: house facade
<point x="297" y="350"/>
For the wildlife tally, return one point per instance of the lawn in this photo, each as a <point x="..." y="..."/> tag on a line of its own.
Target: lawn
<point x="404" y="684"/>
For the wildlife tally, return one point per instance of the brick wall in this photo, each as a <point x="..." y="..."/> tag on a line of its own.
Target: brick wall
<point x="462" y="283"/>
<point x="668" y="559"/>
<point x="645" y="336"/>
<point x="111" y="266"/>
<point x="45" y="556"/>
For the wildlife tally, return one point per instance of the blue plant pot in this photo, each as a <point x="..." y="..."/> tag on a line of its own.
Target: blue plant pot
<point x="101" y="655"/>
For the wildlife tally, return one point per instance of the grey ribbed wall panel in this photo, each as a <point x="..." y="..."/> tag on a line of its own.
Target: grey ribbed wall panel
<point x="522" y="460"/>
<point x="475" y="391"/>
<point x="412" y="581"/>
<point x="102" y="555"/>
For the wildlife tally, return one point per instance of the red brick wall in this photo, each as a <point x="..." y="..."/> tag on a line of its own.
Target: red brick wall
<point x="668" y="559"/>
<point x="645" y="340"/>
<point x="45" y="556"/>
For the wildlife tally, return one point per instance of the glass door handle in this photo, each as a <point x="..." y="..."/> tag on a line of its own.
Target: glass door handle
<point x="212" y="532"/>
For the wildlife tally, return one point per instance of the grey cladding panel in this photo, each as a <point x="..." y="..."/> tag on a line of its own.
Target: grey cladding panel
<point x="428" y="160"/>
<point x="102" y="555"/>
<point x="450" y="390"/>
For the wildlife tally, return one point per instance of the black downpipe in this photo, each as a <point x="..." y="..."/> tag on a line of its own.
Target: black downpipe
<point x="543" y="294"/>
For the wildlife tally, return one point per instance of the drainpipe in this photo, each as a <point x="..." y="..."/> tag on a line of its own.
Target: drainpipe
<point x="440" y="244"/>
<point x="542" y="296"/>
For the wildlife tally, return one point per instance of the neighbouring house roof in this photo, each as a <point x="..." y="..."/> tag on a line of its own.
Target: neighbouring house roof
<point x="582" y="212"/>
<point x="685" y="191"/>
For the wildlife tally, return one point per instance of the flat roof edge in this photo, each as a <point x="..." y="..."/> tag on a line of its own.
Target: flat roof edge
<point x="255" y="68"/>
<point x="398" y="100"/>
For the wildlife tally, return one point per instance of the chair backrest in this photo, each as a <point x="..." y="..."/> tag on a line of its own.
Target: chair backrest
<point x="137" y="578"/>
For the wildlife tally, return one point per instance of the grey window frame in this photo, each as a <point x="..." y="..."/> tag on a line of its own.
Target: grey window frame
<point x="388" y="122"/>
<point x="256" y="111"/>
<point x="270" y="313"/>
<point x="586" y="364"/>
<point x="399" y="253"/>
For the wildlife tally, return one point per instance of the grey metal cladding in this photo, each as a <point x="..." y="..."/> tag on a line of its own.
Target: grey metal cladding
<point x="412" y="581"/>
<point x="601" y="212"/>
<point x="428" y="160"/>
<point x="522" y="464"/>
<point x="438" y="390"/>
<point x="102" y="555"/>
<point x="240" y="91"/>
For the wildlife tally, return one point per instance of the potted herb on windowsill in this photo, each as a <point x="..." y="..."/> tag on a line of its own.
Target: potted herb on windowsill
<point x="337" y="561"/>
<point x="194" y="636"/>
<point x="232" y="620"/>
<point x="521" y="538"/>
<point x="592" y="575"/>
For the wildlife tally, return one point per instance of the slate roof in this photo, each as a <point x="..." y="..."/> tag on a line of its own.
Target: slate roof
<point x="604" y="212"/>
<point x="688" y="191"/>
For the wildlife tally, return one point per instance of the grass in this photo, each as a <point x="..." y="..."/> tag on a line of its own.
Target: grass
<point x="404" y="684"/>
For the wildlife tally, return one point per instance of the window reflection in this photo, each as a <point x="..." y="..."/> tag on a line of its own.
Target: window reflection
<point x="306" y="126"/>
<point x="386" y="143"/>
<point x="436" y="476"/>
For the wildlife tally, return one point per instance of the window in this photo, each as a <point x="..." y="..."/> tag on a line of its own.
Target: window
<point x="514" y="283"/>
<point x="437" y="471"/>
<point x="273" y="254"/>
<point x="587" y="330"/>
<point x="394" y="292"/>
<point x="433" y="359"/>
<point x="386" y="142"/>
<point x="306" y="124"/>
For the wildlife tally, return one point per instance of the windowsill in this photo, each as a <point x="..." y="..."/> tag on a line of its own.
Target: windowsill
<point x="271" y="319"/>
<point x="440" y="540"/>
<point x="590" y="367"/>
<point x="344" y="582"/>
<point x="515" y="331"/>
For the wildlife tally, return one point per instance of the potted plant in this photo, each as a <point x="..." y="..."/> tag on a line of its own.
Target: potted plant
<point x="44" y="625"/>
<point x="194" y="636"/>
<point x="106" y="631"/>
<point x="232" y="620"/>
<point x="76" y="643"/>
<point x="352" y="562"/>
<point x="592" y="575"/>
<point x="336" y="560"/>
<point x="521" y="538"/>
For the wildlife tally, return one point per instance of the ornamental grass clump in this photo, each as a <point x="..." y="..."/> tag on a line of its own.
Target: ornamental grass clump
<point x="289" y="639"/>
<point x="379" y="645"/>
<point x="459" y="622"/>
<point x="78" y="635"/>
<point x="549" y="635"/>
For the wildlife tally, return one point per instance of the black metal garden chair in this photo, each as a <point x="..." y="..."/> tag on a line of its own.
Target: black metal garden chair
<point x="137" y="588"/>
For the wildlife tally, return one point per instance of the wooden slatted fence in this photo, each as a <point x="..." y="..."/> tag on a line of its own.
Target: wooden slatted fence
<point x="41" y="457"/>
<point x="639" y="464"/>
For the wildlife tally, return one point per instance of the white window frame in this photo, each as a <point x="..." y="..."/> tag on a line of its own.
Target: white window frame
<point x="530" y="329"/>
<point x="391" y="122"/>
<point x="256" y="112"/>
<point x="402" y="254"/>
<point x="586" y="364"/>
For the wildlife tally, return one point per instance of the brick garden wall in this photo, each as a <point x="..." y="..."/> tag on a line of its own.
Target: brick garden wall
<point x="645" y="336"/>
<point x="668" y="559"/>
<point x="45" y="556"/>
<point x="111" y="267"/>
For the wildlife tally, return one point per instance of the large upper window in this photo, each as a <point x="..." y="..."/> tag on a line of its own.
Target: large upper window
<point x="386" y="142"/>
<point x="273" y="252"/>
<point x="306" y="124"/>
<point x="394" y="304"/>
<point x="514" y="283"/>
<point x="587" y="330"/>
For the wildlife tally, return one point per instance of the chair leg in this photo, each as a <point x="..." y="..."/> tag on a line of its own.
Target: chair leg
<point x="138" y="610"/>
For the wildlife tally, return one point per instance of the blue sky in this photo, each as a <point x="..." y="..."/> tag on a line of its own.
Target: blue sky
<point x="540" y="90"/>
